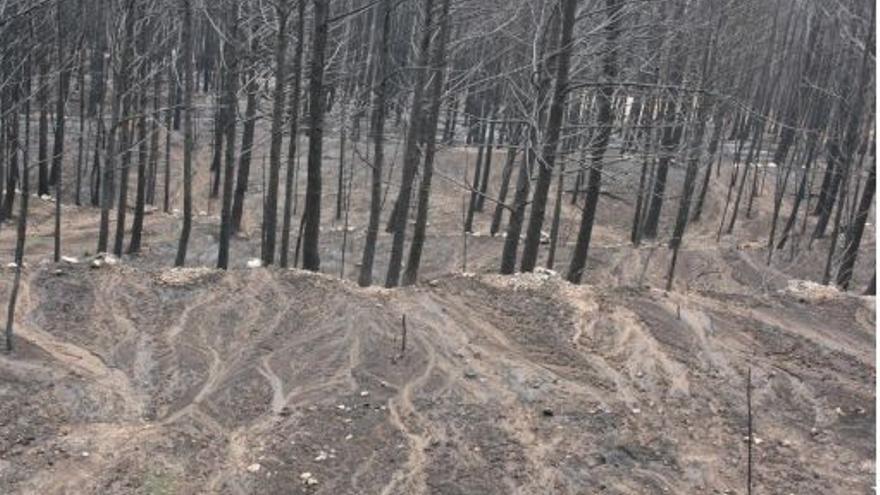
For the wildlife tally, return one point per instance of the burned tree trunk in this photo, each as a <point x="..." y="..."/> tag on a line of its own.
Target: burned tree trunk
<point x="411" y="151"/>
<point x="439" y="65"/>
<point x="554" y="124"/>
<point x="188" y="134"/>
<point x="605" y="121"/>
<point x="312" y="212"/>
<point x="270" y="207"/>
<point x="289" y="196"/>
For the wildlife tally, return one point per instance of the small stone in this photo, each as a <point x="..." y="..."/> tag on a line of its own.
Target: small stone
<point x="364" y="393"/>
<point x="253" y="468"/>
<point x="85" y="454"/>
<point x="322" y="456"/>
<point x="470" y="374"/>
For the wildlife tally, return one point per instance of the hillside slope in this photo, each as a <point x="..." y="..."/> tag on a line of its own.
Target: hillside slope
<point x="130" y="380"/>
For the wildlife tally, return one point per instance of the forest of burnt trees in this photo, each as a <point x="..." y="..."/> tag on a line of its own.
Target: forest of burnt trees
<point x="92" y="93"/>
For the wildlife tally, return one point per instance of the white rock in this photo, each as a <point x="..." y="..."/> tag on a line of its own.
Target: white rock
<point x="321" y="456"/>
<point x="253" y="468"/>
<point x="364" y="393"/>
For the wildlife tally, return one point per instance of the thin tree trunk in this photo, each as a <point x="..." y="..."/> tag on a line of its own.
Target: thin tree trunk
<point x="43" y="180"/>
<point x="411" y="151"/>
<point x="517" y="215"/>
<point x="188" y="134"/>
<point x="270" y="207"/>
<point x="292" y="159"/>
<point x="230" y="106"/>
<point x="502" y="192"/>
<point x="21" y="234"/>
<point x="377" y="133"/>
<point x="169" y="118"/>
<point x="717" y="130"/>
<point x="153" y="162"/>
<point x="856" y="230"/>
<point x="312" y="212"/>
<point x="487" y="166"/>
<point x="696" y="149"/>
<point x="410" y="275"/>
<point x="532" y="242"/>
<point x="605" y="121"/>
<point x="140" y="196"/>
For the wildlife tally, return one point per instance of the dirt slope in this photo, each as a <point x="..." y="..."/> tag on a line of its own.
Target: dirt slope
<point x="257" y="381"/>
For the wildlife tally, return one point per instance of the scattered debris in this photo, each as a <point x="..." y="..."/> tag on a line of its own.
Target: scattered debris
<point x="810" y="290"/>
<point x="181" y="276"/>
<point x="308" y="479"/>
